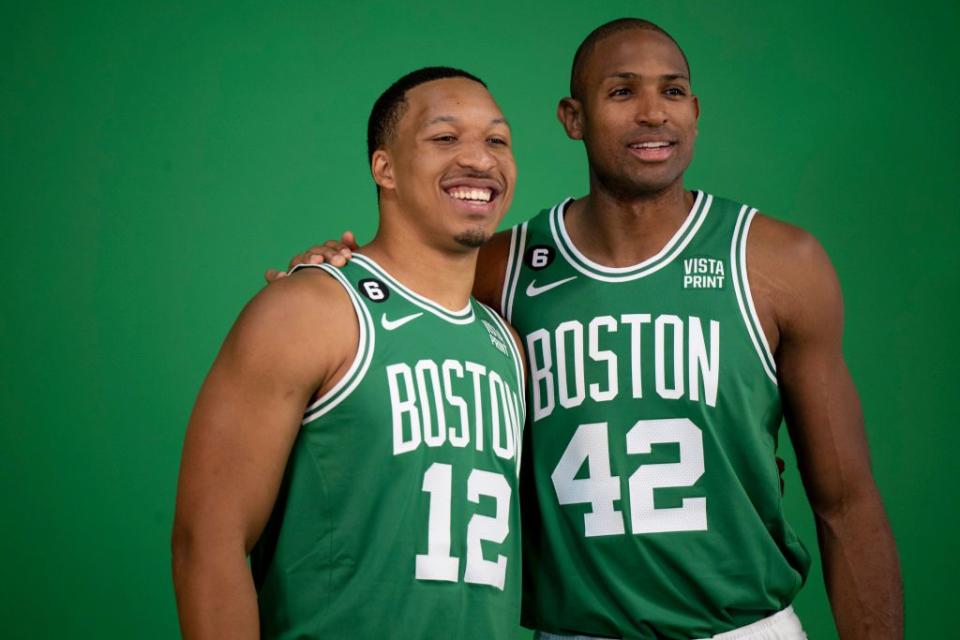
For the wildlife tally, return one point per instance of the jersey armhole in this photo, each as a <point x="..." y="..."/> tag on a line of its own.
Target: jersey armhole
<point x="741" y="286"/>
<point x="517" y="356"/>
<point x="518" y="239"/>
<point x="361" y="361"/>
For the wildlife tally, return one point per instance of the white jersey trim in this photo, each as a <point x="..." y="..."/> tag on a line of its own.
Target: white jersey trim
<point x="694" y="220"/>
<point x="462" y="316"/>
<point x="361" y="362"/>
<point x="518" y="244"/>
<point x="741" y="286"/>
<point x="518" y="363"/>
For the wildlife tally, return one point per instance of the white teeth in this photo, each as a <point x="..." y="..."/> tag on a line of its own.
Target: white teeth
<point x="463" y="193"/>
<point x="650" y="145"/>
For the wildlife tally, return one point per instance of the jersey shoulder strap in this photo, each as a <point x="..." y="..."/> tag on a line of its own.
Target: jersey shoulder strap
<point x="365" y="347"/>
<point x="531" y="242"/>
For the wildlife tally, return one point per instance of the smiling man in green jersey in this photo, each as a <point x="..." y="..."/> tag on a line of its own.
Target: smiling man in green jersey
<point x="359" y="433"/>
<point x="667" y="333"/>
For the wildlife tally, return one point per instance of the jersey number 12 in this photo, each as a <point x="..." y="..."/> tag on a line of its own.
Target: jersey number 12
<point x="437" y="563"/>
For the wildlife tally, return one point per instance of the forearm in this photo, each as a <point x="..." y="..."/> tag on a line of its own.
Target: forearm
<point x="862" y="571"/>
<point x="215" y="593"/>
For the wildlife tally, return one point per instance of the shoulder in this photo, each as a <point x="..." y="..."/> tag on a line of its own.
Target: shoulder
<point x="771" y="236"/>
<point x="308" y="294"/>
<point x="790" y="272"/>
<point x="304" y="321"/>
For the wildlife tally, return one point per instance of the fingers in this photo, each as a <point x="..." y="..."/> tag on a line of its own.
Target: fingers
<point x="349" y="240"/>
<point x="331" y="252"/>
<point x="272" y="275"/>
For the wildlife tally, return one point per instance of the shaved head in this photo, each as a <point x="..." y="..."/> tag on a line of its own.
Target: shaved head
<point x="586" y="48"/>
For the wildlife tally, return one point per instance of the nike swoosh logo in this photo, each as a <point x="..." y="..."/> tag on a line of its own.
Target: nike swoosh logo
<point x="390" y="325"/>
<point x="534" y="290"/>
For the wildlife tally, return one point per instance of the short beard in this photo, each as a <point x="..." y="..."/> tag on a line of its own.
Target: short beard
<point x="473" y="239"/>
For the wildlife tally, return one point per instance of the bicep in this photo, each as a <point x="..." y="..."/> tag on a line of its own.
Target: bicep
<point x="234" y="451"/>
<point x="821" y="404"/>
<point x="246" y="418"/>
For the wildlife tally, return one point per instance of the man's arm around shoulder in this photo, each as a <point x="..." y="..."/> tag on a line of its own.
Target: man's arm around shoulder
<point x="799" y="288"/>
<point x="293" y="339"/>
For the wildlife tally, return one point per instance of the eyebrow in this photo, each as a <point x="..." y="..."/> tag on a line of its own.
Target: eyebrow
<point x="629" y="75"/>
<point x="455" y="119"/>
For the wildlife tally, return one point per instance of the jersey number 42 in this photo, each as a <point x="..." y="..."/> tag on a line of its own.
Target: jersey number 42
<point x="601" y="489"/>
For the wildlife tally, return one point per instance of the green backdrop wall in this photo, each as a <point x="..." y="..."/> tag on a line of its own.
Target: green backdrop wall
<point x="156" y="157"/>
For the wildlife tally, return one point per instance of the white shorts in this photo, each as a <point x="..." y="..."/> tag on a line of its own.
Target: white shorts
<point x="784" y="625"/>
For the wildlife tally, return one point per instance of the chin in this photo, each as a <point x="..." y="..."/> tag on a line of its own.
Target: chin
<point x="472" y="238"/>
<point x="630" y="182"/>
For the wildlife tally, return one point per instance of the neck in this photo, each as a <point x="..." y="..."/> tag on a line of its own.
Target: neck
<point x="619" y="230"/>
<point x="442" y="274"/>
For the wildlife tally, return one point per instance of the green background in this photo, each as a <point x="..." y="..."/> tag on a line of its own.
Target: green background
<point x="155" y="158"/>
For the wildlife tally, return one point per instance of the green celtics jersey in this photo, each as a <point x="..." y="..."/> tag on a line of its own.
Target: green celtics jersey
<point x="397" y="516"/>
<point x="654" y="415"/>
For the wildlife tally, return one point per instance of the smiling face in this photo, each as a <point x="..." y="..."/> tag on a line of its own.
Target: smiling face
<point x="636" y="113"/>
<point x="449" y="168"/>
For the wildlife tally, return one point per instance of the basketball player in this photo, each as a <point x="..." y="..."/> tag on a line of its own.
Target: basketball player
<point x="667" y="332"/>
<point x="359" y="433"/>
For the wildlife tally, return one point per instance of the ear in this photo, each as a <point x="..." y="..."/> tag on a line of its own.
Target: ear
<point x="696" y="112"/>
<point x="570" y="115"/>
<point x="381" y="166"/>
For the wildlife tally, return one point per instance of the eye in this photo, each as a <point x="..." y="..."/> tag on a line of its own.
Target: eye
<point x="446" y="138"/>
<point x="620" y="92"/>
<point x="675" y="92"/>
<point x="498" y="140"/>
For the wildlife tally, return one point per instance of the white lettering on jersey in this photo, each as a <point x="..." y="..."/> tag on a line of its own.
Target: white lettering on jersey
<point x="575" y="329"/>
<point x="703" y="273"/>
<point x="477" y="371"/>
<point x="422" y="396"/>
<point x="462" y="437"/>
<point x="598" y="355"/>
<point x="541" y="372"/>
<point x="503" y="443"/>
<point x="433" y="437"/>
<point x="636" y="322"/>
<point x="701" y="366"/>
<point x="686" y="360"/>
<point x="403" y="407"/>
<point x="660" y="363"/>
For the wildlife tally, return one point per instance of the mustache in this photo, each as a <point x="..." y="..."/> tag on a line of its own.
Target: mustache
<point x="491" y="178"/>
<point x="476" y="175"/>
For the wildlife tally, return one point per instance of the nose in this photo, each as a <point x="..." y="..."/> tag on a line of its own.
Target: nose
<point x="650" y="111"/>
<point x="476" y="155"/>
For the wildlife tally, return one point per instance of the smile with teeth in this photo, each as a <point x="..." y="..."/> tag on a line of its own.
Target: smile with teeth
<point x="651" y="145"/>
<point x="470" y="193"/>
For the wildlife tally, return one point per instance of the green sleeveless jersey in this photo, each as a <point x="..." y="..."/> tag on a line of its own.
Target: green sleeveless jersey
<point x="654" y="416"/>
<point x="397" y="515"/>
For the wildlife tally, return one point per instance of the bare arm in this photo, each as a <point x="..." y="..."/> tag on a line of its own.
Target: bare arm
<point x="244" y="423"/>
<point x="491" y="270"/>
<point x="801" y="308"/>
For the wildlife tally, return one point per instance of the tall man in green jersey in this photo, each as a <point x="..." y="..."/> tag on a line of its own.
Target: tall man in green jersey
<point x="667" y="333"/>
<point x="359" y="433"/>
